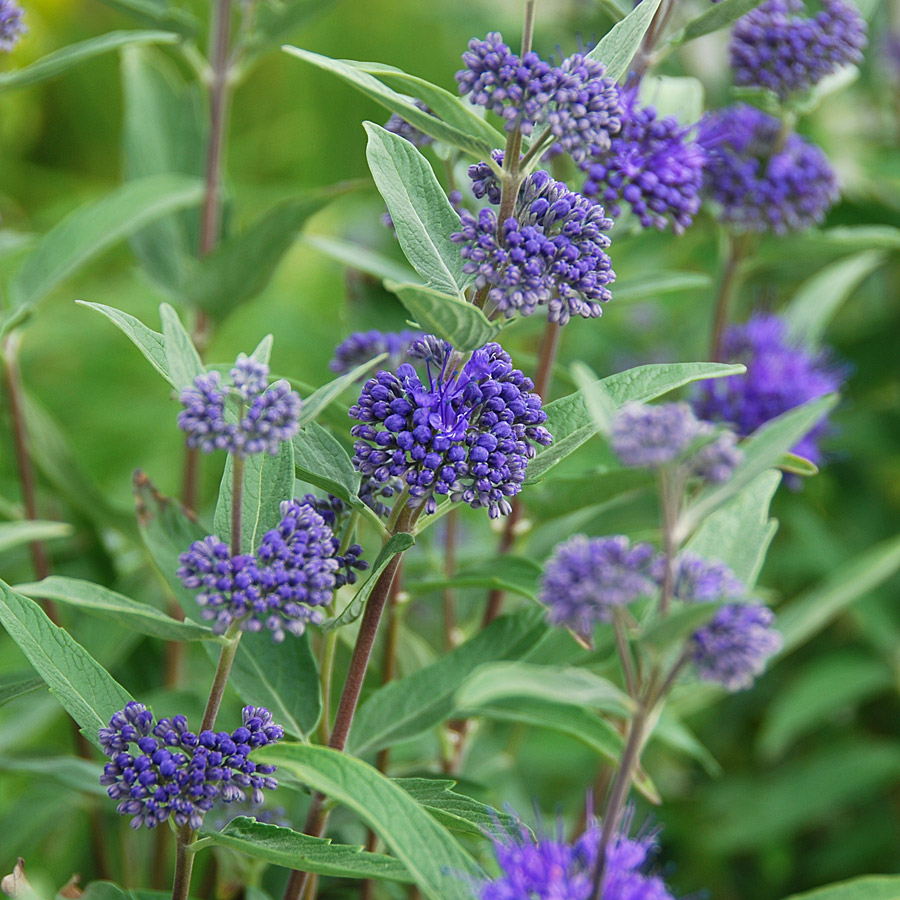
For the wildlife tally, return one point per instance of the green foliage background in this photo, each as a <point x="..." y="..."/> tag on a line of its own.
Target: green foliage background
<point x="809" y="791"/>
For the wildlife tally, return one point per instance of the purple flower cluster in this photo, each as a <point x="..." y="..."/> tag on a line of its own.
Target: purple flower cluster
<point x="551" y="253"/>
<point x="551" y="868"/>
<point x="362" y="346"/>
<point x="698" y="580"/>
<point x="12" y="24"/>
<point x="780" y="376"/>
<point x="396" y="124"/>
<point x="573" y="100"/>
<point x="760" y="178"/>
<point x="467" y="434"/>
<point x="772" y="47"/>
<point x="264" y="416"/>
<point x="294" y="571"/>
<point x="651" y="164"/>
<point x="174" y="773"/>
<point x="586" y="579"/>
<point x="733" y="648"/>
<point x="655" y="436"/>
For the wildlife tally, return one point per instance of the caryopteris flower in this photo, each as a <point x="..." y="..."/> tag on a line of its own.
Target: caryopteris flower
<point x="773" y="47"/>
<point x="246" y="417"/>
<point x="12" y="24"/>
<point x="653" y="436"/>
<point x="760" y="178"/>
<point x="396" y="124"/>
<point x="164" y="770"/>
<point x="362" y="346"/>
<point x="575" y="100"/>
<point x="551" y="868"/>
<point x="467" y="433"/>
<point x="733" y="648"/>
<point x="781" y="375"/>
<point x="716" y="461"/>
<point x="651" y="164"/>
<point x="698" y="580"/>
<point x="281" y="587"/>
<point x="551" y="253"/>
<point x="586" y="579"/>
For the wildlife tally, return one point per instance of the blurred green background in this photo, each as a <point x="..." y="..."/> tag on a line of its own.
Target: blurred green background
<point x="809" y="791"/>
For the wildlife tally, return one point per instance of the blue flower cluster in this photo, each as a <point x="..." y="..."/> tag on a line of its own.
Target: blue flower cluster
<point x="294" y="571"/>
<point x="174" y="773"/>
<point x="587" y="579"/>
<point x="698" y="580"/>
<point x="652" y="164"/>
<point x="12" y="24"/>
<point x="734" y="646"/>
<point x="772" y="47"/>
<point x="264" y="415"/>
<point x="551" y="868"/>
<point x="468" y="433"/>
<point x="655" y="436"/>
<point x="396" y="124"/>
<point x="781" y="375"/>
<point x="574" y="100"/>
<point x="551" y="253"/>
<point x="362" y="346"/>
<point x="761" y="178"/>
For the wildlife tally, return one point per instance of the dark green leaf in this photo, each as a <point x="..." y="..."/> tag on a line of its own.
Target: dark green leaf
<point x="409" y="706"/>
<point x="617" y="48"/>
<point x="422" y="215"/>
<point x="318" y="401"/>
<point x="438" y="865"/>
<point x="871" y="887"/>
<point x="75" y="774"/>
<point x="18" y="687"/>
<point x="712" y="19"/>
<point x="87" y="691"/>
<point x="463" y="325"/>
<point x="136" y="616"/>
<point x="292" y="850"/>
<point x="396" y="543"/>
<point x="321" y="460"/>
<point x="516" y="574"/>
<point x="59" y="61"/>
<point x="456" y="811"/>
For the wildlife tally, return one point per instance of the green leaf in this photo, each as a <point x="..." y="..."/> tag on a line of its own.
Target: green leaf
<point x="672" y="732"/>
<point x="455" y="811"/>
<point x="75" y="774"/>
<point x="871" y="887"/>
<point x="712" y="19"/>
<point x="87" y="691"/>
<point x="85" y="233"/>
<point x="809" y="613"/>
<point x="151" y="343"/>
<point x="362" y="259"/>
<point x="135" y="616"/>
<point x="321" y="460"/>
<point x="739" y="533"/>
<point x="422" y="215"/>
<point x="570" y="423"/>
<point x="438" y="865"/>
<point x="861" y="237"/>
<point x="472" y="144"/>
<point x="824" y="689"/>
<point x="18" y="687"/>
<point x="820" y="297"/>
<point x="463" y="325"/>
<point x="682" y="97"/>
<point x="292" y="850"/>
<point x="664" y="633"/>
<point x="649" y="287"/>
<point x="157" y="12"/>
<point x="164" y="130"/>
<point x="268" y="481"/>
<point x="598" y="403"/>
<point x="14" y="534"/>
<point x="516" y="574"/>
<point x="182" y="357"/>
<point x="405" y="708"/>
<point x="396" y="543"/>
<point x="562" y="684"/>
<point x="797" y="465"/>
<point x="617" y="48"/>
<point x="762" y="450"/>
<point x="282" y="677"/>
<point x="274" y="23"/>
<point x="59" y="61"/>
<point x="318" y="401"/>
<point x="224" y="279"/>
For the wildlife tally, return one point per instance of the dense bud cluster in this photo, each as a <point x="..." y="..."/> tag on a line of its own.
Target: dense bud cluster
<point x="467" y="434"/>
<point x="164" y="770"/>
<point x="362" y="346"/>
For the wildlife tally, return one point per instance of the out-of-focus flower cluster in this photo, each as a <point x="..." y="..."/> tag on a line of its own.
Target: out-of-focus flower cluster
<point x="362" y="346"/>
<point x="164" y="770"/>
<point x="12" y="24"/>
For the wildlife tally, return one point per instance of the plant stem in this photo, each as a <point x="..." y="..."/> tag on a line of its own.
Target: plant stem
<point x="625" y="656"/>
<point x="220" y="680"/>
<point x="327" y="676"/>
<point x="727" y="282"/>
<point x="670" y="489"/>
<point x="644" y="56"/>
<point x="403" y="519"/>
<point x="617" y="795"/>
<point x="184" y="863"/>
<point x="451" y="535"/>
<point x="237" y="502"/>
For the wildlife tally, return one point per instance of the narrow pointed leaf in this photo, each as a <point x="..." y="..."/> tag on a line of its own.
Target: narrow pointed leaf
<point x="14" y="534"/>
<point x="181" y="355"/>
<point x="617" y="48"/>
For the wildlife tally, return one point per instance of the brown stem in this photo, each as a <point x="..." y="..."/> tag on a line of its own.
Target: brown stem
<point x="625" y="656"/>
<point x="184" y="863"/>
<point x="727" y="282"/>
<point x="190" y="478"/>
<point x="237" y="502"/>
<point x="644" y="56"/>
